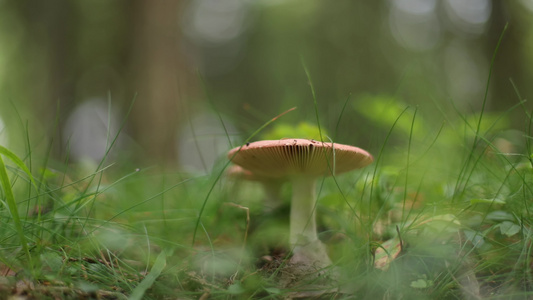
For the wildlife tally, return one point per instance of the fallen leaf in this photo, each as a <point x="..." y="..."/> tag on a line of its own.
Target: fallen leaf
<point x="386" y="253"/>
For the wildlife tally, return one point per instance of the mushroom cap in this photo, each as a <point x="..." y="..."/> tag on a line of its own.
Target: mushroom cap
<point x="293" y="157"/>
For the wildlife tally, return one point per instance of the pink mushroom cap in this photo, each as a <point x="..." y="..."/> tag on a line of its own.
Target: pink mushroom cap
<point x="297" y="157"/>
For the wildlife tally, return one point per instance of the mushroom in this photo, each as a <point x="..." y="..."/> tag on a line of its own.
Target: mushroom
<point x="301" y="162"/>
<point x="271" y="186"/>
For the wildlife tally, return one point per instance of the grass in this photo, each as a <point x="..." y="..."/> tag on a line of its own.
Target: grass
<point x="443" y="213"/>
<point x="447" y="217"/>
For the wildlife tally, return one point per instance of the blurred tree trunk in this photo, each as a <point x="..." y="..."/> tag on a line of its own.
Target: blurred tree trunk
<point x="158" y="76"/>
<point x="74" y="51"/>
<point x="42" y="67"/>
<point x="512" y="56"/>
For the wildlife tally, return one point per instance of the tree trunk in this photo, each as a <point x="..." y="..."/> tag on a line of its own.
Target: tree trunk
<point x="159" y="77"/>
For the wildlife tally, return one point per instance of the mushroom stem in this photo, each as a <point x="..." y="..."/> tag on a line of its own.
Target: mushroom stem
<point x="272" y="188"/>
<point x="303" y="221"/>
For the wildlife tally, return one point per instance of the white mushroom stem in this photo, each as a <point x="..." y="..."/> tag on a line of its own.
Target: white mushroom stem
<point x="303" y="221"/>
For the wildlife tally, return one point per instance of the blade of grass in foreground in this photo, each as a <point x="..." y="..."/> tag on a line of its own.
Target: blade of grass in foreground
<point x="224" y="168"/>
<point x="464" y="174"/>
<point x="331" y="167"/>
<point x="10" y="198"/>
<point x="314" y="99"/>
<point x="148" y="281"/>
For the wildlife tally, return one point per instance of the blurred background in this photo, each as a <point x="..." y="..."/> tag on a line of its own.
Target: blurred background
<point x="183" y="81"/>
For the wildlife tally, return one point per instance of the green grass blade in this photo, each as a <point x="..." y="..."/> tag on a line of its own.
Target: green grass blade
<point x="314" y="99"/>
<point x="148" y="281"/>
<point x="340" y="116"/>
<point x="464" y="175"/>
<point x="12" y="205"/>
<point x="487" y="86"/>
<point x="18" y="162"/>
<point x="224" y="168"/>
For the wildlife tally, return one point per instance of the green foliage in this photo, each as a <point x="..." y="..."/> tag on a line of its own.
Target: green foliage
<point x="436" y="204"/>
<point x="432" y="217"/>
<point x="385" y="111"/>
<point x="447" y="198"/>
<point x="303" y="130"/>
